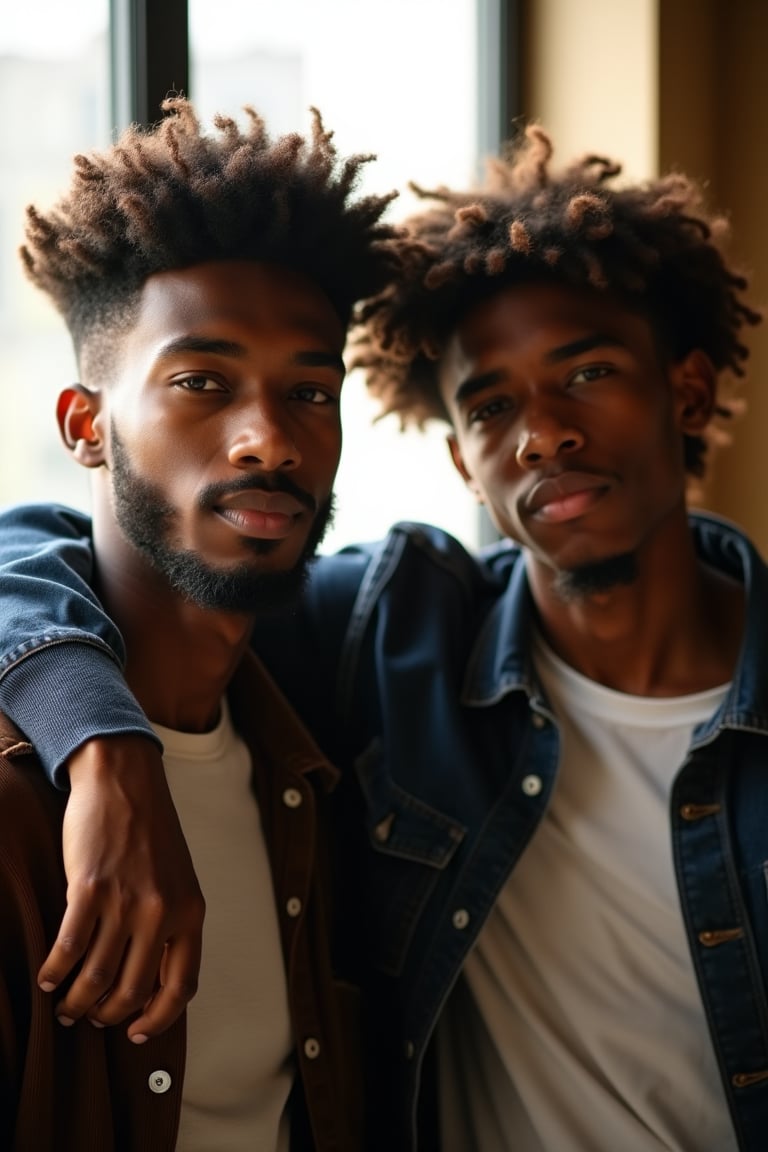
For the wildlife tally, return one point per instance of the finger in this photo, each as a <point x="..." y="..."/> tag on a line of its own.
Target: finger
<point x="178" y="984"/>
<point x="135" y="983"/>
<point x="77" y="927"/>
<point x="98" y="973"/>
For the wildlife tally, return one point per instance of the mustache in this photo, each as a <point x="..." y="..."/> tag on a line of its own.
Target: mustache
<point x="211" y="495"/>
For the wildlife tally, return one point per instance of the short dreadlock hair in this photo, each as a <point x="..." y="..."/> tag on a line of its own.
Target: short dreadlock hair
<point x="171" y="196"/>
<point x="650" y="245"/>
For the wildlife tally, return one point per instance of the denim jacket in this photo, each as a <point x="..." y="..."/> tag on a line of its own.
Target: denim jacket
<point x="411" y="663"/>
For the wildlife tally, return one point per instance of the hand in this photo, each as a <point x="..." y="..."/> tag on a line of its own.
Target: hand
<point x="134" y="907"/>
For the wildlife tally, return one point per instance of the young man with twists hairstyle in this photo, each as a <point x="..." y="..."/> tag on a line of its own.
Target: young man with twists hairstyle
<point x="556" y="753"/>
<point x="207" y="280"/>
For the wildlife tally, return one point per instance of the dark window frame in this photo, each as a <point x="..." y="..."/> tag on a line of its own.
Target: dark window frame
<point x="149" y="57"/>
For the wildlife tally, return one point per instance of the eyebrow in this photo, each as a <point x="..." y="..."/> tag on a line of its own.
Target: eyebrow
<point x="474" y="384"/>
<point x="237" y="351"/>
<point x="585" y="344"/>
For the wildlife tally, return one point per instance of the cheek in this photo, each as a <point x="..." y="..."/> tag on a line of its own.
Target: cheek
<point x="321" y="452"/>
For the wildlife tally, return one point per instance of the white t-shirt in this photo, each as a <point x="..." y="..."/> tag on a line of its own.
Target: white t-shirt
<point x="239" y="1066"/>
<point x="577" y="1025"/>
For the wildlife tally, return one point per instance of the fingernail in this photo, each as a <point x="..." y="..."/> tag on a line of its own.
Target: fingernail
<point x="96" y="1023"/>
<point x="139" y="1038"/>
<point x="65" y="1020"/>
<point x="47" y="986"/>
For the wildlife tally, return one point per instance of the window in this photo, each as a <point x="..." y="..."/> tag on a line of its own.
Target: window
<point x="399" y="80"/>
<point x="54" y="90"/>
<point x="418" y="82"/>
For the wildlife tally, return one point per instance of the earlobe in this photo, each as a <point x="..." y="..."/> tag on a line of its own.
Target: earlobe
<point x="695" y="384"/>
<point x="461" y="468"/>
<point x="77" y="412"/>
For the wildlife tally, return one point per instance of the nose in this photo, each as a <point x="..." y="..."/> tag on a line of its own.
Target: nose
<point x="263" y="439"/>
<point x="545" y="437"/>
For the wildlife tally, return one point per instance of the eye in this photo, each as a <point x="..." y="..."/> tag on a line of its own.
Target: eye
<point x="589" y="373"/>
<point x="312" y="394"/>
<point x="199" y="383"/>
<point x="488" y="410"/>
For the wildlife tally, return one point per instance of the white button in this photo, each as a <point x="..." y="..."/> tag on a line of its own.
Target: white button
<point x="160" y="1082"/>
<point x="532" y="785"/>
<point x="460" y="918"/>
<point x="538" y="720"/>
<point x="293" y="906"/>
<point x="311" y="1048"/>
<point x="292" y="798"/>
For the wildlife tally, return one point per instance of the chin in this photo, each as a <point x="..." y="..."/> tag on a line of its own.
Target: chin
<point x="579" y="581"/>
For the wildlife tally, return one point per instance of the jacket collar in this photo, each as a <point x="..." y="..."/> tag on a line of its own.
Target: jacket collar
<point x="267" y="722"/>
<point x="500" y="660"/>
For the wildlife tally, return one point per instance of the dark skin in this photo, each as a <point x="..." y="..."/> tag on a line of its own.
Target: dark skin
<point x="260" y="402"/>
<point x="568" y="424"/>
<point x="614" y="412"/>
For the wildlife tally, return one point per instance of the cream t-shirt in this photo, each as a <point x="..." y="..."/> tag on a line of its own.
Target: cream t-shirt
<point x="239" y="1065"/>
<point x="577" y="1025"/>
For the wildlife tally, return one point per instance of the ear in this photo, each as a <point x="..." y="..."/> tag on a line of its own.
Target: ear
<point x="694" y="381"/>
<point x="461" y="468"/>
<point x="78" y="412"/>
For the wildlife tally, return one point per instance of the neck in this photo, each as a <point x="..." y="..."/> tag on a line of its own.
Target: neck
<point x="676" y="628"/>
<point x="180" y="657"/>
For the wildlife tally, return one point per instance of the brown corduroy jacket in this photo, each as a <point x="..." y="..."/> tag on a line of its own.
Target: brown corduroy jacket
<point x="83" y="1089"/>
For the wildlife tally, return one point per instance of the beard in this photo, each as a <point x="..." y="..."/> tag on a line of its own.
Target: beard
<point x="601" y="576"/>
<point x="147" y="521"/>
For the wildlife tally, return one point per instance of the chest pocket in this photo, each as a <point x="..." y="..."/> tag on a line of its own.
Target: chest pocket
<point x="410" y="844"/>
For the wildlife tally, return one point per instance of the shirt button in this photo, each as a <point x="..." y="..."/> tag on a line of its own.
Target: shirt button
<point x="532" y="785"/>
<point x="410" y="1051"/>
<point x="460" y="918"/>
<point x="292" y="798"/>
<point x="293" y="906"/>
<point x="311" y="1048"/>
<point x="159" y="1082"/>
<point x="538" y="720"/>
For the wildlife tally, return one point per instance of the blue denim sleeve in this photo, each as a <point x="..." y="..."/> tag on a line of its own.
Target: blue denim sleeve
<point x="61" y="657"/>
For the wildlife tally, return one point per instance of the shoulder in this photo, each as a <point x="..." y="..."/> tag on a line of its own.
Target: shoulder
<point x="411" y="552"/>
<point x="52" y="519"/>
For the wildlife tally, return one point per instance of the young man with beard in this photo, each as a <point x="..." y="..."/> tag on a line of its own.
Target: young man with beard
<point x="556" y="756"/>
<point x="207" y="282"/>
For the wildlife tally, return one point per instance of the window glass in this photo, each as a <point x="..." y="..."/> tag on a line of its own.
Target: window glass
<point x="54" y="92"/>
<point x="397" y="79"/>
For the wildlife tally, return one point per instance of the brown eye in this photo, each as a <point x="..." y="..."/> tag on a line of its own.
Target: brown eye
<point x="488" y="410"/>
<point x="589" y="373"/>
<point x="199" y="384"/>
<point x="312" y="394"/>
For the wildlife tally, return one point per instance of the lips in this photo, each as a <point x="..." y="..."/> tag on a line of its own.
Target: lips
<point x="566" y="495"/>
<point x="258" y="500"/>
<point x="260" y="514"/>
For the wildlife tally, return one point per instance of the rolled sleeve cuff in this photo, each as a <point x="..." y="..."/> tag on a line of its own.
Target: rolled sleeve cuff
<point x="63" y="694"/>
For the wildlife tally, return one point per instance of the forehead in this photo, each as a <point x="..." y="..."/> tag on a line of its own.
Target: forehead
<point x="266" y="301"/>
<point x="530" y="320"/>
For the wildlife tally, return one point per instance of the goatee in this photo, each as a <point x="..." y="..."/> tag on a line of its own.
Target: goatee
<point x="148" y="522"/>
<point x="589" y="579"/>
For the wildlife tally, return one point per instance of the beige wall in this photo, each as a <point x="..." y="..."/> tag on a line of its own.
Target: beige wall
<point x="589" y="75"/>
<point x="663" y="84"/>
